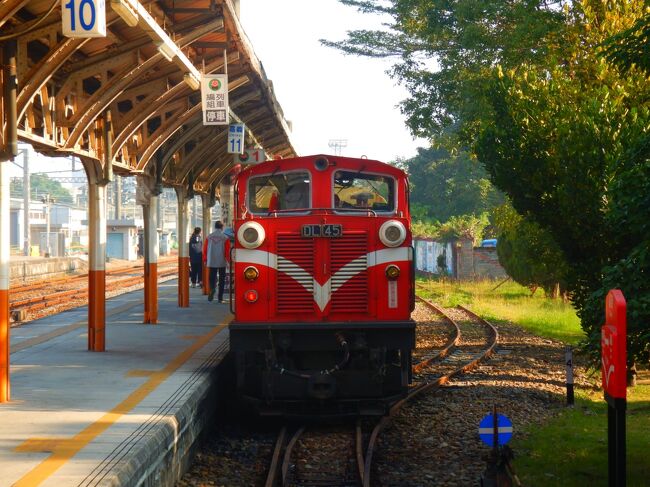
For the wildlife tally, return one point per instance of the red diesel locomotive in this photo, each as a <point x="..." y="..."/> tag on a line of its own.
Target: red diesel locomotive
<point x="323" y="286"/>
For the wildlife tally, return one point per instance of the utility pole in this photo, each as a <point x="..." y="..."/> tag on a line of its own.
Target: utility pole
<point x="337" y="145"/>
<point x="195" y="215"/>
<point x="26" y="202"/>
<point x="47" y="200"/>
<point x="118" y="197"/>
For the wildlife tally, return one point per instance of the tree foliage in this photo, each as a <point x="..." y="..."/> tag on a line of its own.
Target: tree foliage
<point x="445" y="185"/>
<point x="631" y="47"/>
<point x="528" y="253"/>
<point x="560" y="141"/>
<point x="41" y="185"/>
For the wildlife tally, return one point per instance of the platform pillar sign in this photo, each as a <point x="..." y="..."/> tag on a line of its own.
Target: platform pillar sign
<point x="614" y="377"/>
<point x="214" y="99"/>
<point x="236" y="137"/>
<point x="83" y="18"/>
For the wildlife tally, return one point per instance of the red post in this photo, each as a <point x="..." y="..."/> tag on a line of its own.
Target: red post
<point x="614" y="377"/>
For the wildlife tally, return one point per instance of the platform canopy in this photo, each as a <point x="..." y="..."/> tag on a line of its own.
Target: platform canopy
<point x="136" y="88"/>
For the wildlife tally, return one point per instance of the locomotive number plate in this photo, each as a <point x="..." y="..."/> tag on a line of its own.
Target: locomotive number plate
<point x="327" y="230"/>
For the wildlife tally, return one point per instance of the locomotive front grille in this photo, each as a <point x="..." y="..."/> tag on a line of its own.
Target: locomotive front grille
<point x="295" y="284"/>
<point x="349" y="263"/>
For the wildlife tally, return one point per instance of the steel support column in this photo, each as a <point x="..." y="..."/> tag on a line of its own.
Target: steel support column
<point x="183" y="251"/>
<point x="4" y="281"/>
<point x="207" y="229"/>
<point x="151" y="260"/>
<point x="97" y="267"/>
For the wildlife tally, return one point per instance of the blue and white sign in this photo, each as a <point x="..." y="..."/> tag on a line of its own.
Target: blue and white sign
<point x="83" y="18"/>
<point x="486" y="429"/>
<point x="236" y="133"/>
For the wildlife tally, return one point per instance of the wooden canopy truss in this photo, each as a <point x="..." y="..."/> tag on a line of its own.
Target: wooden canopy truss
<point x="71" y="92"/>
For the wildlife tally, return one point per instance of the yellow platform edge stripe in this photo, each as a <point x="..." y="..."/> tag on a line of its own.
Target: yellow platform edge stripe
<point x="64" y="450"/>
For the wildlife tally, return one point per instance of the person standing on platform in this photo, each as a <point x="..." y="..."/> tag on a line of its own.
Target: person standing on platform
<point x="217" y="256"/>
<point x="196" y="257"/>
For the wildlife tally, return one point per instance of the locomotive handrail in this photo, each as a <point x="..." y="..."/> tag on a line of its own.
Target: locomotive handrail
<point x="302" y="211"/>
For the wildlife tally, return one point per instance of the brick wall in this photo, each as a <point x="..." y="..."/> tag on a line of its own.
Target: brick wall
<point x="486" y="263"/>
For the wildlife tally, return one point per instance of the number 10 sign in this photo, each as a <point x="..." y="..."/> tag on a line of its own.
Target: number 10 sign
<point x="83" y="18"/>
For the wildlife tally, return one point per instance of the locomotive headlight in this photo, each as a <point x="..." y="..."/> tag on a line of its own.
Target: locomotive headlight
<point x="251" y="273"/>
<point x="392" y="233"/>
<point x="392" y="272"/>
<point x="251" y="235"/>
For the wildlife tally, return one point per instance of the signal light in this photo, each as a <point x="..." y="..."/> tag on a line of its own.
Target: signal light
<point x="250" y="296"/>
<point x="251" y="273"/>
<point x="392" y="272"/>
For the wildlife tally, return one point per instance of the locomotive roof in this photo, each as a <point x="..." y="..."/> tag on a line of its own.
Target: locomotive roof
<point x="306" y="162"/>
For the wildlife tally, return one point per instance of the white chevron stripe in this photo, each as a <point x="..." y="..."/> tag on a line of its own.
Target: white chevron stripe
<point x="322" y="293"/>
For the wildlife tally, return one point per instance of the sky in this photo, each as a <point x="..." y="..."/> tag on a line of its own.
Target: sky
<point x="325" y="94"/>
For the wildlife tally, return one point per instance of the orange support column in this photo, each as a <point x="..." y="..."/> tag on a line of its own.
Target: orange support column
<point x="151" y="261"/>
<point x="97" y="267"/>
<point x="4" y="281"/>
<point x="183" y="252"/>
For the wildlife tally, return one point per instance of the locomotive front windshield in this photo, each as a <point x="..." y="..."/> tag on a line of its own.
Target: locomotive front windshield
<point x="281" y="191"/>
<point x="364" y="191"/>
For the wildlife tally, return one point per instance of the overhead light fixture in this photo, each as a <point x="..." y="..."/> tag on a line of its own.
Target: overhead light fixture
<point x="125" y="9"/>
<point x="166" y="50"/>
<point x="191" y="81"/>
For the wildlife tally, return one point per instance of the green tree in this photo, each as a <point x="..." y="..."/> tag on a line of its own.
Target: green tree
<point x="447" y="185"/>
<point x="40" y="185"/>
<point x="528" y="253"/>
<point x="631" y="47"/>
<point x="561" y="141"/>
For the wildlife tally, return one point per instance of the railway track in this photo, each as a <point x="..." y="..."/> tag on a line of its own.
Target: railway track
<point x="70" y="291"/>
<point x="467" y="347"/>
<point x="303" y="458"/>
<point x="299" y="458"/>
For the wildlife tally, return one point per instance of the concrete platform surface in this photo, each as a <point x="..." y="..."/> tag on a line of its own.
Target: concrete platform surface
<point x="126" y="416"/>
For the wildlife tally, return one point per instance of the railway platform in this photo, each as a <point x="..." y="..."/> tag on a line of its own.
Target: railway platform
<point x="126" y="416"/>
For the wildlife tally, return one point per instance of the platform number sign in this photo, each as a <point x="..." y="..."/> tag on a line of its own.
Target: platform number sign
<point x="236" y="134"/>
<point x="83" y="18"/>
<point x="250" y="156"/>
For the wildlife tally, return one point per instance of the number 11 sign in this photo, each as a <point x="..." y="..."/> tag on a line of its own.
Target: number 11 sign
<point x="236" y="134"/>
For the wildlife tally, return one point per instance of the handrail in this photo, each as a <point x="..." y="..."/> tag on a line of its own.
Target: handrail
<point x="302" y="211"/>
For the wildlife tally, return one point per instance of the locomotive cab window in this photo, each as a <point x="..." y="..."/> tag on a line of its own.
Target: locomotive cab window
<point x="356" y="190"/>
<point x="279" y="191"/>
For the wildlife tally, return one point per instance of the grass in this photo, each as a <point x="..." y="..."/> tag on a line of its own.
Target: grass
<point x="550" y="318"/>
<point x="571" y="449"/>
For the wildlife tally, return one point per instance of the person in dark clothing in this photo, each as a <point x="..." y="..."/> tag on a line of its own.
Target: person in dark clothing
<point x="196" y="257"/>
<point x="217" y="256"/>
